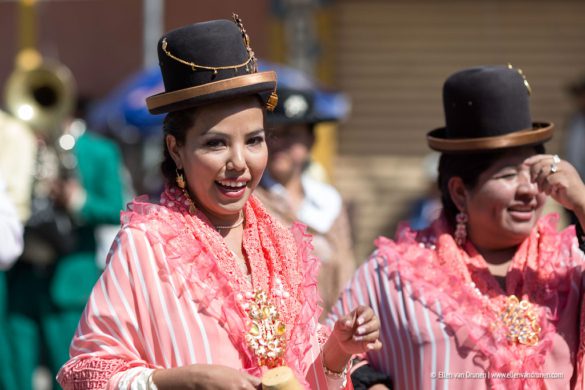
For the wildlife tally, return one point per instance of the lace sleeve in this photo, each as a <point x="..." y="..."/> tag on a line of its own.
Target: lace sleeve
<point x="90" y="373"/>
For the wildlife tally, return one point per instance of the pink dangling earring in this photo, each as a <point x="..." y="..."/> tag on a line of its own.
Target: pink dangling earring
<point x="461" y="228"/>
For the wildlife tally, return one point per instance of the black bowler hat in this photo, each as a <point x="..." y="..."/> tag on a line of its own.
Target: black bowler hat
<point x="487" y="108"/>
<point x="301" y="99"/>
<point x="294" y="106"/>
<point x="208" y="62"/>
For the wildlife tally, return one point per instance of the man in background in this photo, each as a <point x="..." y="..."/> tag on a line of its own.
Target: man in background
<point x="291" y="192"/>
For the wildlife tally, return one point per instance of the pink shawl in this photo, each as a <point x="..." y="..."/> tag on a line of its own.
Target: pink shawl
<point x="199" y="260"/>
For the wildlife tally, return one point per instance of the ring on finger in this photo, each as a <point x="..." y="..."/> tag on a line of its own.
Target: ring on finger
<point x="554" y="166"/>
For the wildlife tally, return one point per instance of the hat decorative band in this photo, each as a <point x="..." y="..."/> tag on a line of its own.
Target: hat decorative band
<point x="195" y="66"/>
<point x="157" y="103"/>
<point x="540" y="133"/>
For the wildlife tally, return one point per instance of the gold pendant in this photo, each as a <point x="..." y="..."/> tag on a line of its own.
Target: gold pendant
<point x="266" y="335"/>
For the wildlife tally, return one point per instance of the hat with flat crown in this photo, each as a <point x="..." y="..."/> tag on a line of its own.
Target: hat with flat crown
<point x="487" y="108"/>
<point x="209" y="62"/>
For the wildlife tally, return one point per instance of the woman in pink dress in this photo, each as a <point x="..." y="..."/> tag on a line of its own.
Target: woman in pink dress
<point x="489" y="296"/>
<point x="205" y="289"/>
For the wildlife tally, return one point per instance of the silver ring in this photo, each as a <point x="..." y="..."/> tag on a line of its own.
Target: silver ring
<point x="554" y="166"/>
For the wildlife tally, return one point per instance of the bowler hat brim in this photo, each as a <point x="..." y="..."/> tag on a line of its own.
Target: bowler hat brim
<point x="249" y="84"/>
<point x="538" y="134"/>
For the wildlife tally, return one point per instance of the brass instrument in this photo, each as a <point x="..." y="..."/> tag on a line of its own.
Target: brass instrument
<point x="40" y="91"/>
<point x="42" y="96"/>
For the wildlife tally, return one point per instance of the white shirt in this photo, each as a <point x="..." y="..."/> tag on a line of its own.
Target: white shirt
<point x="11" y="230"/>
<point x="321" y="206"/>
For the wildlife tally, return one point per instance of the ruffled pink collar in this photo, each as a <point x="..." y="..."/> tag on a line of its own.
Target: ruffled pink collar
<point x="472" y="301"/>
<point x="199" y="261"/>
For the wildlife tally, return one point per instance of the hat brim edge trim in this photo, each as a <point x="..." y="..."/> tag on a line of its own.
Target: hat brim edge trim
<point x="539" y="133"/>
<point x="169" y="101"/>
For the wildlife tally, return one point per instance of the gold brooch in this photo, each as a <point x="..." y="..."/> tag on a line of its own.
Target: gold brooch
<point x="521" y="320"/>
<point x="267" y="333"/>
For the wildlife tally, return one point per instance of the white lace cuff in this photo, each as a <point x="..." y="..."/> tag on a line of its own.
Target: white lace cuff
<point x="137" y="378"/>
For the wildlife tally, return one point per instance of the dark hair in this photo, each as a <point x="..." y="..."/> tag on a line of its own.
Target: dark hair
<point x="176" y="123"/>
<point x="468" y="167"/>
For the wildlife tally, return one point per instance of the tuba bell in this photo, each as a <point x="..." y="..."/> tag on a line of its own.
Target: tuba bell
<point x="40" y="92"/>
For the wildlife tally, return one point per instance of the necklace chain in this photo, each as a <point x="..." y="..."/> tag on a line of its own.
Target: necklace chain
<point x="235" y="225"/>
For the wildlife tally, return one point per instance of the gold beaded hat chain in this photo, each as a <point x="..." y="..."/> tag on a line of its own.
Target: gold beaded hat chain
<point x="250" y="63"/>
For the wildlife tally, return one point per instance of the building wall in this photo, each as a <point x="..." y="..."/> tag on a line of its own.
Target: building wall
<point x="101" y="40"/>
<point x="392" y="58"/>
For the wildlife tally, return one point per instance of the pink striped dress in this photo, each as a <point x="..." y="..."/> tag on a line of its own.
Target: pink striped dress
<point x="442" y="313"/>
<point x="171" y="296"/>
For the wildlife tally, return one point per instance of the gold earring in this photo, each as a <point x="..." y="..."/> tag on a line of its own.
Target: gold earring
<point x="180" y="180"/>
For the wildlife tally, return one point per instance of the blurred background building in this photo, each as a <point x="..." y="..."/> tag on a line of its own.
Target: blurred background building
<point x="390" y="57"/>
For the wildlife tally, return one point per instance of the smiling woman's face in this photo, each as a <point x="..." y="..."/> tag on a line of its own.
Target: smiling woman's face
<point x="223" y="156"/>
<point x="505" y="205"/>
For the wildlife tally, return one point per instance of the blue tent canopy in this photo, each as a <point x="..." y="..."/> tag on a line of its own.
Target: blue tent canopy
<point x="124" y="109"/>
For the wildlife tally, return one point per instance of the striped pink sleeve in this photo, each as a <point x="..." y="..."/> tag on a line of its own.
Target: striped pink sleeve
<point x="110" y="336"/>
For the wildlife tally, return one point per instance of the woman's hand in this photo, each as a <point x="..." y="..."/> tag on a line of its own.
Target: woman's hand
<point x="204" y="376"/>
<point x="354" y="333"/>
<point x="358" y="331"/>
<point x="559" y="179"/>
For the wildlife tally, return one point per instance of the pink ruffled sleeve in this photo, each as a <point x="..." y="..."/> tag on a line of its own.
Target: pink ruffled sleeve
<point x="110" y="335"/>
